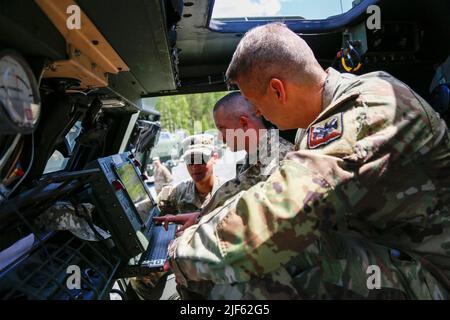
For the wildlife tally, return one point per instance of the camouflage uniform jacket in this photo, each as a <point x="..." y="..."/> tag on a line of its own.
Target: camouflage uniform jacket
<point x="368" y="186"/>
<point x="251" y="174"/>
<point x="162" y="178"/>
<point x="183" y="197"/>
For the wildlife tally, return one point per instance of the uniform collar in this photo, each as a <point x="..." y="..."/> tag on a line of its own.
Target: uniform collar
<point x="330" y="87"/>
<point x="263" y="149"/>
<point x="336" y="91"/>
<point x="194" y="192"/>
<point x="328" y="93"/>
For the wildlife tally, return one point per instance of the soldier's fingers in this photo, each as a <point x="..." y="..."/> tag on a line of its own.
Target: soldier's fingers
<point x="166" y="266"/>
<point x="158" y="220"/>
<point x="190" y="222"/>
<point x="162" y="219"/>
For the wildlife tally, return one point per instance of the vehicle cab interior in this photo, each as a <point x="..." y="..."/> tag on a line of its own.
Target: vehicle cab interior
<point x="78" y="85"/>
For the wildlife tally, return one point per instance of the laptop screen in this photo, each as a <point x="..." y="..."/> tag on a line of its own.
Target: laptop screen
<point x="133" y="184"/>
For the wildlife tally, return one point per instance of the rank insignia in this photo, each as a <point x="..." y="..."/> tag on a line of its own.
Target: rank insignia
<point x="324" y="132"/>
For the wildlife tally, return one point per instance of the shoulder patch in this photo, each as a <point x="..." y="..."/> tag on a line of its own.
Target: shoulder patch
<point x="326" y="131"/>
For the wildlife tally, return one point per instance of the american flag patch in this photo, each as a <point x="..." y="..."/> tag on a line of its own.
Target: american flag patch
<point x="324" y="132"/>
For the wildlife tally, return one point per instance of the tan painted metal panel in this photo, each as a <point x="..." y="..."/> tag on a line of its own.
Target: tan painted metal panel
<point x="90" y="56"/>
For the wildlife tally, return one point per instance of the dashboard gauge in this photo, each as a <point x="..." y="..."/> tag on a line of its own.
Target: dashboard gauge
<point x="19" y="95"/>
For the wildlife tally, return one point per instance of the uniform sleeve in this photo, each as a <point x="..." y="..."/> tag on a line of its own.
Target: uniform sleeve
<point x="391" y="121"/>
<point x="283" y="218"/>
<point x="231" y="187"/>
<point x="258" y="230"/>
<point x="167" y="200"/>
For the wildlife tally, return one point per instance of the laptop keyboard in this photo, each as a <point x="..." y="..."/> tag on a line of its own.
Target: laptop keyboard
<point x="159" y="242"/>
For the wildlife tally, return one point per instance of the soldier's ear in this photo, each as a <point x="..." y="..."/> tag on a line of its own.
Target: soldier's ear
<point x="277" y="88"/>
<point x="243" y="122"/>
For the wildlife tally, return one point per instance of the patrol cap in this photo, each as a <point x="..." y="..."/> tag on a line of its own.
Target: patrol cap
<point x="199" y="147"/>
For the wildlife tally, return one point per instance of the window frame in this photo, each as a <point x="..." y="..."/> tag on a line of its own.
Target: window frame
<point x="240" y="26"/>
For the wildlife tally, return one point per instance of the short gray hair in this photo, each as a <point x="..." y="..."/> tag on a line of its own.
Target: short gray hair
<point x="272" y="50"/>
<point x="237" y="106"/>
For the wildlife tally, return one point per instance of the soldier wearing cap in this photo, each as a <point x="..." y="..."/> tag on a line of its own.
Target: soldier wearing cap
<point x="187" y="196"/>
<point x="190" y="195"/>
<point x="161" y="174"/>
<point x="360" y="210"/>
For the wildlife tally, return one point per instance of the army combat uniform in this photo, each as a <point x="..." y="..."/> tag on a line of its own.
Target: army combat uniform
<point x="162" y="178"/>
<point x="269" y="156"/>
<point x="361" y="210"/>
<point x="181" y="198"/>
<point x="251" y="174"/>
<point x="184" y="197"/>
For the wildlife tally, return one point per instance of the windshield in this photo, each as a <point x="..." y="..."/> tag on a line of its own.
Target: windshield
<point x="303" y="9"/>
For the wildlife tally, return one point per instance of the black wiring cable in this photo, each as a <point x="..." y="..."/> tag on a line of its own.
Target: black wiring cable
<point x="87" y="217"/>
<point x="119" y="292"/>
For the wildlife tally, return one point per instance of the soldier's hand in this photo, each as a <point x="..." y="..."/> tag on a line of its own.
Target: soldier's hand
<point x="185" y="219"/>
<point x="166" y="267"/>
<point x="166" y="219"/>
<point x="191" y="219"/>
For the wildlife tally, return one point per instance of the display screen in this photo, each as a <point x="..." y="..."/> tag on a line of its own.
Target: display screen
<point x="135" y="188"/>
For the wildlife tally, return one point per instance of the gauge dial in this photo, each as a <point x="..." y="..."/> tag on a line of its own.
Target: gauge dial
<point x="19" y="95"/>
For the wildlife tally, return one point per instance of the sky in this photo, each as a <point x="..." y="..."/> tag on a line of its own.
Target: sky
<point x="309" y="9"/>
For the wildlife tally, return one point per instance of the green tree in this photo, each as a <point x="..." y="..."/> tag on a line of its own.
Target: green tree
<point x="182" y="111"/>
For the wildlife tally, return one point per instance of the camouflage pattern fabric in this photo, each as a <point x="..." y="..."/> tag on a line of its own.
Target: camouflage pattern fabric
<point x="156" y="286"/>
<point x="162" y="178"/>
<point x="250" y="175"/>
<point x="64" y="216"/>
<point x="368" y="186"/>
<point x="184" y="197"/>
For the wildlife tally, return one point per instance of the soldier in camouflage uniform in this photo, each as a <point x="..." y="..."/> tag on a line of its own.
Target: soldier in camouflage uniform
<point x="366" y="190"/>
<point x="235" y="117"/>
<point x="187" y="196"/>
<point x="161" y="175"/>
<point x="191" y="195"/>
